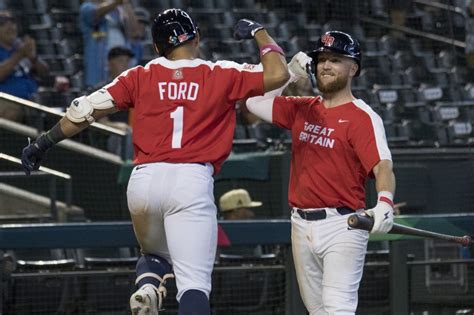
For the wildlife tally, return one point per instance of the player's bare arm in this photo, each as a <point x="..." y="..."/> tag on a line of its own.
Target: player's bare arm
<point x="262" y="106"/>
<point x="275" y="70"/>
<point x="384" y="177"/>
<point x="385" y="186"/>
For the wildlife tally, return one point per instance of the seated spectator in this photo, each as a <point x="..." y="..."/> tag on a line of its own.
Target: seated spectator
<point x="299" y="88"/>
<point x="104" y="25"/>
<point x="236" y="204"/>
<point x="136" y="43"/>
<point x="19" y="66"/>
<point x="119" y="59"/>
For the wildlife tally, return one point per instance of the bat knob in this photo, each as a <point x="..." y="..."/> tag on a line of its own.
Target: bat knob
<point x="466" y="241"/>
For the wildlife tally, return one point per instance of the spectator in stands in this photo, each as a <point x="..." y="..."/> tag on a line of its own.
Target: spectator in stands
<point x="299" y="88"/>
<point x="398" y="10"/>
<point x="136" y="44"/>
<point x="104" y="25"/>
<point x="236" y="204"/>
<point x="19" y="66"/>
<point x="119" y="60"/>
<point x="470" y="35"/>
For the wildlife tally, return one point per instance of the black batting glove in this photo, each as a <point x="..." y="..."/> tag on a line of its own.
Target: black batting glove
<point x="246" y="29"/>
<point x="33" y="153"/>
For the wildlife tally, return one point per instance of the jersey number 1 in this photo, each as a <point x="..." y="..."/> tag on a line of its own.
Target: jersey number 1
<point x="177" y="117"/>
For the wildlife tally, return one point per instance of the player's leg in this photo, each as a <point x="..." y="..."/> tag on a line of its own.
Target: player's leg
<point x="192" y="238"/>
<point x="309" y="267"/>
<point x="344" y="257"/>
<point x="145" y="200"/>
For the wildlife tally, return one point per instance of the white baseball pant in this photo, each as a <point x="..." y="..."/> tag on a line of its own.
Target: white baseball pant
<point x="174" y="216"/>
<point x="329" y="261"/>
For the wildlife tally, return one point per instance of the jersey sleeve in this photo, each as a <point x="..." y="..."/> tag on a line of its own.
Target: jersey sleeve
<point x="241" y="80"/>
<point x="369" y="141"/>
<point x="123" y="89"/>
<point x="285" y="109"/>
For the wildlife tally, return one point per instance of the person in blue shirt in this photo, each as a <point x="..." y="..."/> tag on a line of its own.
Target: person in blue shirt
<point x="19" y="65"/>
<point x="104" y="25"/>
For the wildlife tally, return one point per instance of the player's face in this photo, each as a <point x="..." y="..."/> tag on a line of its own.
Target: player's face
<point x="333" y="72"/>
<point x="8" y="29"/>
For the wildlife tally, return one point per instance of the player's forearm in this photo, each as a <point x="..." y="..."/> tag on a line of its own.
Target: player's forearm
<point x="275" y="70"/>
<point x="384" y="177"/>
<point x="66" y="128"/>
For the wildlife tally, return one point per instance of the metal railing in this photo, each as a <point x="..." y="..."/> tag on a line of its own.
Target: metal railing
<point x="53" y="176"/>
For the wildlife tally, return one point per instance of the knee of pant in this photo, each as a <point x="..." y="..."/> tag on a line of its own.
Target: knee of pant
<point x="194" y="302"/>
<point x="152" y="269"/>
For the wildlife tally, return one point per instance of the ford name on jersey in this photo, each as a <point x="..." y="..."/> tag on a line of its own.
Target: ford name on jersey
<point x="178" y="91"/>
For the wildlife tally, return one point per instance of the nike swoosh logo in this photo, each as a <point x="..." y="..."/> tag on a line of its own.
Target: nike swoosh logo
<point x="342" y="121"/>
<point x="139" y="167"/>
<point x="386" y="215"/>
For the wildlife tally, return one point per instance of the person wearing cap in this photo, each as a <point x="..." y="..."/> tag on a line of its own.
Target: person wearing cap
<point x="119" y="60"/>
<point x="236" y="205"/>
<point x="338" y="142"/>
<point x="136" y="43"/>
<point x="20" y="66"/>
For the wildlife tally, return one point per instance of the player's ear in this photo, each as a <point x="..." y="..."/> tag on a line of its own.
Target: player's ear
<point x="156" y="49"/>
<point x="354" y="69"/>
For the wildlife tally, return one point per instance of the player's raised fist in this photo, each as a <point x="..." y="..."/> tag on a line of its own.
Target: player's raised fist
<point x="33" y="153"/>
<point x="299" y="64"/>
<point x="246" y="29"/>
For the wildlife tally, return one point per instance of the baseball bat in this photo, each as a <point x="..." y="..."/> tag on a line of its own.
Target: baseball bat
<point x="363" y="222"/>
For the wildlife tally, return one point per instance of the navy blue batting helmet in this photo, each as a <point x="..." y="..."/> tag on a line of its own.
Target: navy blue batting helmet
<point x="338" y="42"/>
<point x="171" y="28"/>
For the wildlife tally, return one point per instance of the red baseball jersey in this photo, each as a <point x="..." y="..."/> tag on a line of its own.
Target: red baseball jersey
<point x="184" y="110"/>
<point x="333" y="150"/>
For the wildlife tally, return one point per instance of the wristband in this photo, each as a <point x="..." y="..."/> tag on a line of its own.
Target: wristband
<point x="386" y="197"/>
<point x="269" y="48"/>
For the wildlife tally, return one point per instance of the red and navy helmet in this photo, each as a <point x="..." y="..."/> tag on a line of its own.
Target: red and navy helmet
<point x="171" y="28"/>
<point x="340" y="43"/>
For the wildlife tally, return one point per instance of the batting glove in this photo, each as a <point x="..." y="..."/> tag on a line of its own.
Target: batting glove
<point x="246" y="29"/>
<point x="299" y="64"/>
<point x="33" y="153"/>
<point x="382" y="213"/>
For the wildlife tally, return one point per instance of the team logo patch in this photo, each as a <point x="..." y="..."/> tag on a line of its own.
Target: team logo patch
<point x="327" y="40"/>
<point x="178" y="74"/>
<point x="182" y="38"/>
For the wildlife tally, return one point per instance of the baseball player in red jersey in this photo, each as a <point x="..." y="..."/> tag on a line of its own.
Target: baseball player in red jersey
<point x="337" y="142"/>
<point x="183" y="129"/>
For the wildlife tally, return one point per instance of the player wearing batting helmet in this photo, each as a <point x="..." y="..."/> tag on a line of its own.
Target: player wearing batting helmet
<point x="184" y="111"/>
<point x="338" y="141"/>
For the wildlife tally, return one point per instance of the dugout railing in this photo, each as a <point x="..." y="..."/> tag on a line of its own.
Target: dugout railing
<point x="396" y="270"/>
<point x="52" y="176"/>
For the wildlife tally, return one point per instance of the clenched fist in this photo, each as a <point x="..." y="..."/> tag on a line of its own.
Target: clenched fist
<point x="299" y="65"/>
<point x="246" y="29"/>
<point x="382" y="213"/>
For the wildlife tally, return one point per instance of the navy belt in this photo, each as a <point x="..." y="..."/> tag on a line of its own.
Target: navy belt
<point x="321" y="214"/>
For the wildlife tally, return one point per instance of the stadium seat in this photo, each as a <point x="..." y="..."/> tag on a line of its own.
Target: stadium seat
<point x="46" y="293"/>
<point x="429" y="93"/>
<point x="248" y="287"/>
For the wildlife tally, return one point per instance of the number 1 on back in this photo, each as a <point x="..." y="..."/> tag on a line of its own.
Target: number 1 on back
<point x="177" y="116"/>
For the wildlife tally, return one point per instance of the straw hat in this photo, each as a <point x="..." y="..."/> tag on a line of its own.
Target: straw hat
<point x="237" y="198"/>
